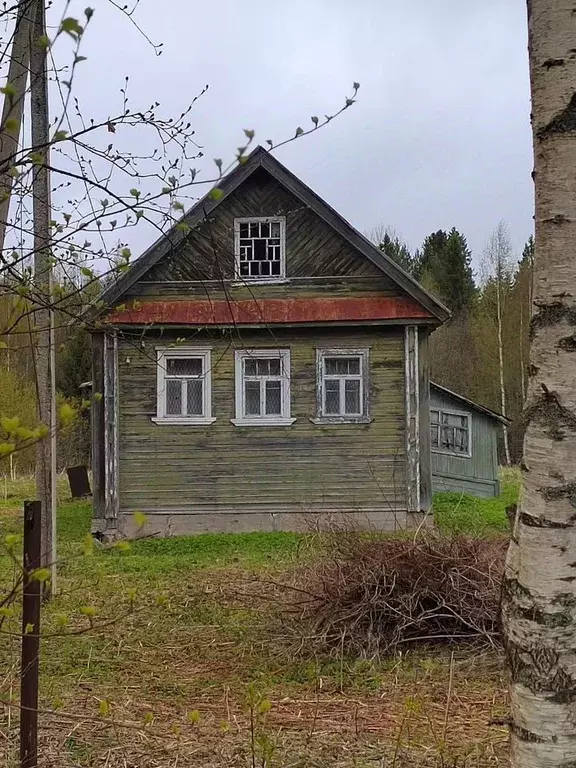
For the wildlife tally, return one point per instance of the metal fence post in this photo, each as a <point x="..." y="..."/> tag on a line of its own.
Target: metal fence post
<point x="29" y="671"/>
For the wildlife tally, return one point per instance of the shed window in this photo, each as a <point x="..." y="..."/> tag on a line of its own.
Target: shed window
<point x="183" y="386"/>
<point x="450" y="432"/>
<point x="259" y="245"/>
<point x="262" y="387"/>
<point x="342" y="388"/>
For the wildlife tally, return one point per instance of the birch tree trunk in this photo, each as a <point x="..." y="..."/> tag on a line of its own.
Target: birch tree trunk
<point x="539" y="596"/>
<point x="501" y="364"/>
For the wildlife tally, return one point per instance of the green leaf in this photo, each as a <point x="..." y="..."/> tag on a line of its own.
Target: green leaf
<point x="67" y="413"/>
<point x="249" y="134"/>
<point x="299" y="131"/>
<point x="87" y="272"/>
<point x="314" y="119"/>
<point x="183" y="227"/>
<point x="122" y="546"/>
<point x="72" y="27"/>
<point x="194" y="716"/>
<point x="78" y="59"/>
<point x="29" y="628"/>
<point x="148" y="718"/>
<point x="126" y="253"/>
<point x="216" y="194"/>
<point x="9" y="425"/>
<point x="6" y="449"/>
<point x="12" y="126"/>
<point x="6" y="612"/>
<point x="43" y="42"/>
<point x="140" y="519"/>
<point x="104" y="708"/>
<point x="61" y="620"/>
<point x="135" y="192"/>
<point x="177" y="205"/>
<point x="265" y="706"/>
<point x="40" y="574"/>
<point x="60" y="136"/>
<point x="88" y="610"/>
<point x="8" y="90"/>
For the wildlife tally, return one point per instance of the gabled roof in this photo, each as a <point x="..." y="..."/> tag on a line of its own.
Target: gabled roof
<point x="261" y="158"/>
<point x="471" y="404"/>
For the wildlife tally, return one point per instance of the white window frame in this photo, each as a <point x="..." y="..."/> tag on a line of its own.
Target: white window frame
<point x="451" y="412"/>
<point x="321" y="416"/>
<point x="258" y="219"/>
<point x="281" y="420"/>
<point x="164" y="353"/>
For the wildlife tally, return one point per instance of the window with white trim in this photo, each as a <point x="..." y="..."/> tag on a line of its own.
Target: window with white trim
<point x="262" y="387"/>
<point x="450" y="432"/>
<point x="342" y="385"/>
<point x="259" y="247"/>
<point x="184" y="386"/>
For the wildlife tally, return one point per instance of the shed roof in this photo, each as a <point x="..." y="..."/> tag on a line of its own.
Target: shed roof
<point x="471" y="404"/>
<point x="261" y="158"/>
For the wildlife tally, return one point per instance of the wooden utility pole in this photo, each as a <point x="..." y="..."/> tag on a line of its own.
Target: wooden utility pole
<point x="13" y="107"/>
<point x="43" y="319"/>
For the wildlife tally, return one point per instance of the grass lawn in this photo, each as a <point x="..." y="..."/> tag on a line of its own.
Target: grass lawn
<point x="173" y="653"/>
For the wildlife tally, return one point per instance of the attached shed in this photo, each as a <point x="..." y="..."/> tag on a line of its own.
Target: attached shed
<point x="464" y="443"/>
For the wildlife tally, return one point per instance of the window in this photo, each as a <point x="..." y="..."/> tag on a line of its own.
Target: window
<point x="450" y="432"/>
<point x="184" y="391"/>
<point x="342" y="385"/>
<point x="259" y="248"/>
<point x="263" y="387"/>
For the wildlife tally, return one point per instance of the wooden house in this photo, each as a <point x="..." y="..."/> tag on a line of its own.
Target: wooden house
<point x="259" y="367"/>
<point x="464" y="440"/>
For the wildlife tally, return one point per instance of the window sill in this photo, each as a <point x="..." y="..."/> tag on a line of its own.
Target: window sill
<point x="280" y="422"/>
<point x="331" y="420"/>
<point x="172" y="420"/>
<point x="243" y="282"/>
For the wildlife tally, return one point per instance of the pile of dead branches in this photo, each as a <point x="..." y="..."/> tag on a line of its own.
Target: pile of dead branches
<point x="371" y="597"/>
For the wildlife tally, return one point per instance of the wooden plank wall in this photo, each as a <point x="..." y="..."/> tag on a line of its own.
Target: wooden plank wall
<point x="223" y="469"/>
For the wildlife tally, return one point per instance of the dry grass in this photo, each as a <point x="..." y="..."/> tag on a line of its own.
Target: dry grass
<point x="197" y="628"/>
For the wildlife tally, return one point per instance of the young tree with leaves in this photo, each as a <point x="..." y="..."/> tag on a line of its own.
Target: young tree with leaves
<point x="498" y="268"/>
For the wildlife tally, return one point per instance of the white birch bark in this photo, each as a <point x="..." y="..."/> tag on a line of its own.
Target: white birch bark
<point x="539" y="596"/>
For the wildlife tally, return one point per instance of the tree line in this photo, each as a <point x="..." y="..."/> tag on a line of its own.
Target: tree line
<point x="482" y="351"/>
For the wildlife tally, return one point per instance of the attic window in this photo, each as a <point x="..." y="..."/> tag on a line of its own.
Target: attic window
<point x="259" y="246"/>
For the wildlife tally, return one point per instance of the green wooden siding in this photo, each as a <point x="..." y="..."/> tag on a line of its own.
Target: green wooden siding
<point x="477" y="474"/>
<point x="224" y="468"/>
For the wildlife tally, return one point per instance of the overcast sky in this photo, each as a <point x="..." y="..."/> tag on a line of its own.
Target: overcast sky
<point x="439" y="136"/>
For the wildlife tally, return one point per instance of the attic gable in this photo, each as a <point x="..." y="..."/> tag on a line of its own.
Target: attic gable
<point x="207" y="252"/>
<point x="312" y="247"/>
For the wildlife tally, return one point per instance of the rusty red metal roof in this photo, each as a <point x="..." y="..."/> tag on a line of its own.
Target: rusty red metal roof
<point x="257" y="311"/>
